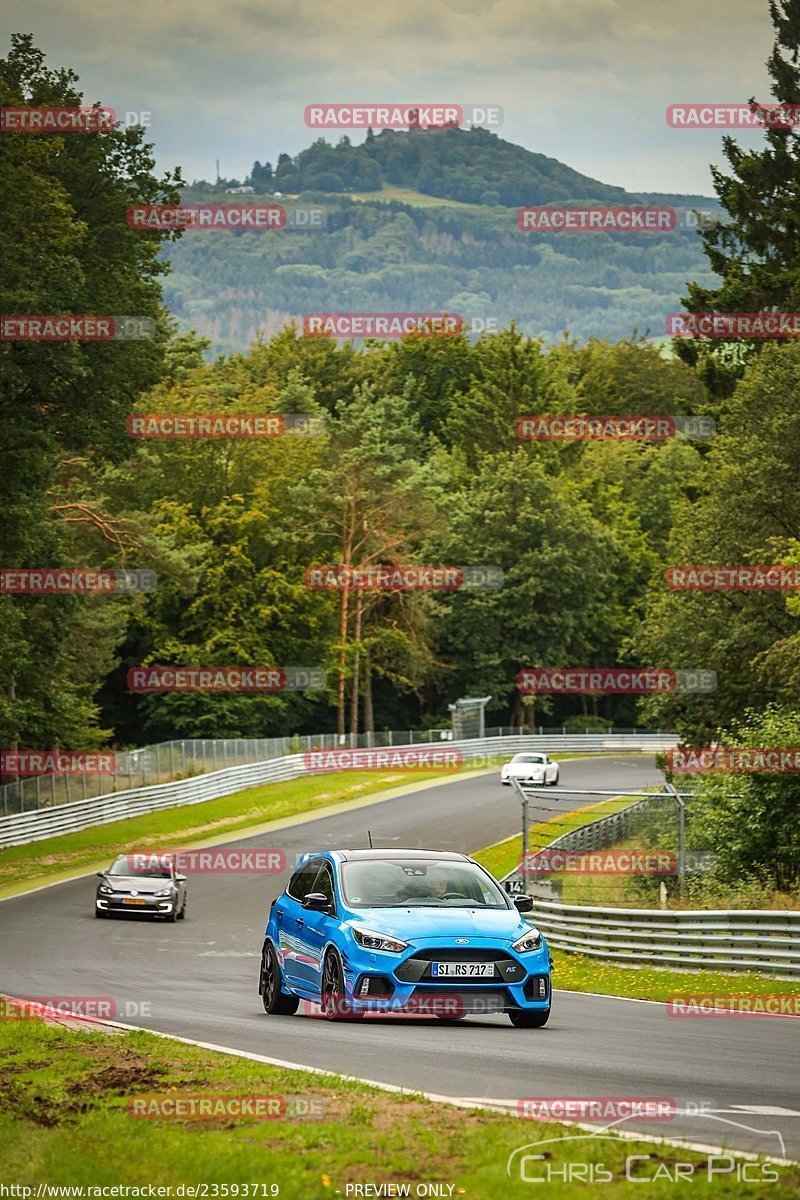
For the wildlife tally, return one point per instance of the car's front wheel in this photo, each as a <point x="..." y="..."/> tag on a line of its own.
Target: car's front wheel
<point x="529" y="1018"/>
<point x="274" y="1001"/>
<point x="335" y="1005"/>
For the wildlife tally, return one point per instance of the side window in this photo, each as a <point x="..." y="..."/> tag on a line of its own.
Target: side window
<point x="300" y="884"/>
<point x="324" y="882"/>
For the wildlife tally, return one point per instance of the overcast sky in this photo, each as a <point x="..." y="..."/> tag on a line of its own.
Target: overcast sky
<point x="585" y="81"/>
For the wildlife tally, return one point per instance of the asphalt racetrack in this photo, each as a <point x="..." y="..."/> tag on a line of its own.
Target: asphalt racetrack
<point x="198" y="978"/>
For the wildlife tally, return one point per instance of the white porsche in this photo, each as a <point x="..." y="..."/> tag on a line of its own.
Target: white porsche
<point x="530" y="768"/>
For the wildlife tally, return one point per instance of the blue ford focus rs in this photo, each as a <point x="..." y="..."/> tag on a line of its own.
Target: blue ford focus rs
<point x="422" y="931"/>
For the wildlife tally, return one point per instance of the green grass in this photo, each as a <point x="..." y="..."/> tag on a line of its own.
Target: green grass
<point x="61" y="856"/>
<point x="409" y="196"/>
<point x="581" y="973"/>
<point x="504" y="857"/>
<point x="65" y="1121"/>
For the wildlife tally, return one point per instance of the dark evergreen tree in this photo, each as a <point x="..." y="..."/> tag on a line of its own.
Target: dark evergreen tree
<point x="756" y="250"/>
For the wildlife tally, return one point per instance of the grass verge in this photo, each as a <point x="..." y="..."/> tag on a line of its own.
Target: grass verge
<point x="247" y="812"/>
<point x="65" y="1121"/>
<point x="504" y="857"/>
<point x="580" y="973"/>
<point x="241" y="812"/>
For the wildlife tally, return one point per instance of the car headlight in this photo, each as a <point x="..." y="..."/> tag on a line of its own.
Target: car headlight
<point x="105" y="890"/>
<point x="532" y="940"/>
<point x="163" y="892"/>
<point x="371" y="940"/>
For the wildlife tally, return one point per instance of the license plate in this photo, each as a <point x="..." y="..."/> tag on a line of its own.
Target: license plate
<point x="132" y="900"/>
<point x="465" y="970"/>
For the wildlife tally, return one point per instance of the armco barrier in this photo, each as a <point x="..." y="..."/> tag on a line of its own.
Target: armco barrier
<point x="758" y="939"/>
<point x="21" y="828"/>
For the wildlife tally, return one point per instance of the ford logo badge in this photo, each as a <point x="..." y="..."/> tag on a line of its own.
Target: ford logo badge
<point x="462" y="941"/>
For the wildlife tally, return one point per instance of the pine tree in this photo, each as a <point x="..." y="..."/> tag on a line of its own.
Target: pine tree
<point x="756" y="249"/>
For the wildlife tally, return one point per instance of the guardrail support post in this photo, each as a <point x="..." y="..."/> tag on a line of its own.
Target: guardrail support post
<point x="524" y="801"/>
<point x="673" y="791"/>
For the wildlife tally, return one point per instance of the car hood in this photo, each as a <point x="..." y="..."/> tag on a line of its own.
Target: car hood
<point x="134" y="883"/>
<point x="411" y="924"/>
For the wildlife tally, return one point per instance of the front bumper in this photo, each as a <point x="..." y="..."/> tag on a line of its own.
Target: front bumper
<point x="153" y="906"/>
<point x="377" y="981"/>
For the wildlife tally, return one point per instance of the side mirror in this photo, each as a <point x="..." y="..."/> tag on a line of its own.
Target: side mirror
<point x="523" y="903"/>
<point x="100" y="874"/>
<point x="180" y="879"/>
<point x="317" y="902"/>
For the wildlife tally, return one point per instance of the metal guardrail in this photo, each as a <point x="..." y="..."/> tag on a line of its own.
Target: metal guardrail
<point x="21" y="828"/>
<point x="754" y="940"/>
<point x="164" y="762"/>
<point x="722" y="939"/>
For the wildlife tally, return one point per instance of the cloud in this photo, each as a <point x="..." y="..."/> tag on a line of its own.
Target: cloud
<point x="586" y="81"/>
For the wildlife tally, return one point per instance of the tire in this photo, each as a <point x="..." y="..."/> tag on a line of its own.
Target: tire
<point x="171" y="917"/>
<point x="524" y="1018"/>
<point x="98" y="912"/>
<point x="334" y="1005"/>
<point x="269" y="985"/>
<point x="182" y="913"/>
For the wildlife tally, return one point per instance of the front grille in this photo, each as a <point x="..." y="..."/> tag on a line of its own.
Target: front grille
<point x="460" y="954"/>
<point x="417" y="968"/>
<point x="477" y="1000"/>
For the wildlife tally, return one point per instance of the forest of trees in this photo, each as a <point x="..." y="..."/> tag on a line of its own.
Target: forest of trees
<point x="418" y="461"/>
<point x="422" y="429"/>
<point x="385" y="257"/>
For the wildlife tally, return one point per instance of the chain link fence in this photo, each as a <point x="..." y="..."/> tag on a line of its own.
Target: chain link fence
<point x="187" y="757"/>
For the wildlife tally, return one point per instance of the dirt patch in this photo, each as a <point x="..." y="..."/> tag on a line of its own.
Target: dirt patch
<point x="117" y="1079"/>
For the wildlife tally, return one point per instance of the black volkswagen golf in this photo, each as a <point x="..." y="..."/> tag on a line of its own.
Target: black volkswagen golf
<point x="154" y="890"/>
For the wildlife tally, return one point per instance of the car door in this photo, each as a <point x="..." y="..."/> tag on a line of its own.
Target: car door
<point x="314" y="926"/>
<point x="289" y="913"/>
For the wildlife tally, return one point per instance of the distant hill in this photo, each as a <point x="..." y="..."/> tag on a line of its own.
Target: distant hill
<point x="470" y="165"/>
<point x="428" y="222"/>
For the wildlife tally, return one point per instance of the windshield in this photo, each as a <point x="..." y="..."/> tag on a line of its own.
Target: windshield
<point x="419" y="883"/>
<point x="528" y="758"/>
<point x="126" y="865"/>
